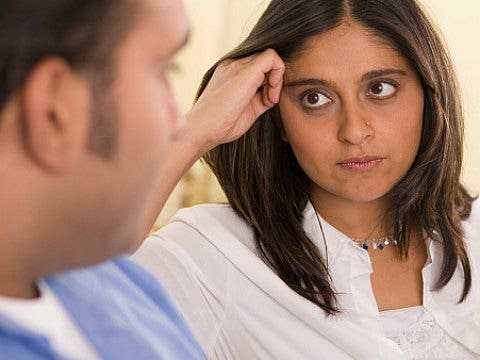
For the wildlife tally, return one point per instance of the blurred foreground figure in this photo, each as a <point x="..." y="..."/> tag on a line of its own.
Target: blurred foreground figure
<point x="89" y="132"/>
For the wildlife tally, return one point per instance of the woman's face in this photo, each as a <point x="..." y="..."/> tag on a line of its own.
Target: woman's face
<point x="352" y="110"/>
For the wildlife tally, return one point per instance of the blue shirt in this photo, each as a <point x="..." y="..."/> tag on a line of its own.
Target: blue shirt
<point x="122" y="310"/>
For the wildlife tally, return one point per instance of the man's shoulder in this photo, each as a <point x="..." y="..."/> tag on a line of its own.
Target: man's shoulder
<point x="119" y="307"/>
<point x="120" y="294"/>
<point x="120" y="276"/>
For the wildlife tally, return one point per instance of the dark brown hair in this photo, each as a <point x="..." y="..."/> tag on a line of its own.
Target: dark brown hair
<point x="265" y="185"/>
<point x="85" y="33"/>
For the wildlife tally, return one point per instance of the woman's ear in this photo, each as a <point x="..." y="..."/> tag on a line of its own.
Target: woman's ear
<point x="55" y="114"/>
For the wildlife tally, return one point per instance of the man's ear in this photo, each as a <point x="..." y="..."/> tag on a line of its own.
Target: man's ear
<point x="55" y="106"/>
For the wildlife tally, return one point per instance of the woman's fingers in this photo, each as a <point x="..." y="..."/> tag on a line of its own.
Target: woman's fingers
<point x="266" y="70"/>
<point x="238" y="93"/>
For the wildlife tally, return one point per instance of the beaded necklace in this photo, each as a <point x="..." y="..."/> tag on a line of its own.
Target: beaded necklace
<point x="376" y="243"/>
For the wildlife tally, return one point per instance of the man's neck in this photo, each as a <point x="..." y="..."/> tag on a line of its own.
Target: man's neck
<point x="18" y="259"/>
<point x="15" y="285"/>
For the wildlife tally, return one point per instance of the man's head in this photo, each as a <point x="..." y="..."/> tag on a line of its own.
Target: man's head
<point x="86" y="114"/>
<point x="83" y="33"/>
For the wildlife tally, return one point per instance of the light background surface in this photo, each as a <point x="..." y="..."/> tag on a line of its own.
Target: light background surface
<point x="219" y="25"/>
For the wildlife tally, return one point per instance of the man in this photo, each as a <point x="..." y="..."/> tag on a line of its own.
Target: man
<point x="89" y="134"/>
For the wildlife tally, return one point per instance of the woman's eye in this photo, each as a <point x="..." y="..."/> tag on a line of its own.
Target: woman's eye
<point x="314" y="100"/>
<point x="382" y="90"/>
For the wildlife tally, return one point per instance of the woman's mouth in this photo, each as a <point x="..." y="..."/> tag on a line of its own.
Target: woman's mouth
<point x="361" y="163"/>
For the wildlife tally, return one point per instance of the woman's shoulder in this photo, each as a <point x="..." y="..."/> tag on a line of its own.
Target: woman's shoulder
<point x="472" y="223"/>
<point x="208" y="225"/>
<point x="471" y="228"/>
<point x="475" y="214"/>
<point x="196" y="216"/>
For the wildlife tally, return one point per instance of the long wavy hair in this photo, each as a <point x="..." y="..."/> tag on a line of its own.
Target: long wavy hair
<point x="267" y="188"/>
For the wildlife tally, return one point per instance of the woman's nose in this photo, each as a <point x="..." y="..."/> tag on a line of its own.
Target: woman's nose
<point x="355" y="126"/>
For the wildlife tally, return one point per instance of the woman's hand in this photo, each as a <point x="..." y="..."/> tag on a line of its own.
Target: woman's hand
<point x="237" y="94"/>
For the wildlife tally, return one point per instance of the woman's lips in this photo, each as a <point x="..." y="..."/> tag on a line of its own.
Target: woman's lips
<point x="361" y="163"/>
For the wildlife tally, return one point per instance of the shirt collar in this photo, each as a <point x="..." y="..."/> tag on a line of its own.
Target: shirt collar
<point x="331" y="241"/>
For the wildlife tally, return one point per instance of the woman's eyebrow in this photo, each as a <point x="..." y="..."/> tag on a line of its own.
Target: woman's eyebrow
<point x="311" y="82"/>
<point x="365" y="77"/>
<point x="382" y="72"/>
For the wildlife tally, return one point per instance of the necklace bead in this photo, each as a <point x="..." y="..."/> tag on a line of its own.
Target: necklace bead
<point x="377" y="243"/>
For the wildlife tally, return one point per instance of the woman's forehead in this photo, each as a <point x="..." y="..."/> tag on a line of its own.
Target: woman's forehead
<point x="348" y="47"/>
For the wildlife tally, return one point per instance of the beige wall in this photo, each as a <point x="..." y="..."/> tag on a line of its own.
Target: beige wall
<point x="218" y="25"/>
<point x="460" y="26"/>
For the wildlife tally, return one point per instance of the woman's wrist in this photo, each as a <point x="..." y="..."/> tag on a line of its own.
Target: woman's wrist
<point x="199" y="134"/>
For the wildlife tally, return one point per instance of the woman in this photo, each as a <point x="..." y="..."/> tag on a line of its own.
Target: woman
<point x="348" y="233"/>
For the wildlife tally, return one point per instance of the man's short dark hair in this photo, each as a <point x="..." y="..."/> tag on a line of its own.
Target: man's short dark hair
<point x="85" y="33"/>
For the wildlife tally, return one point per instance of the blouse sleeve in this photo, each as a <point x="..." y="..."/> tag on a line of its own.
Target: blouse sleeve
<point x="195" y="275"/>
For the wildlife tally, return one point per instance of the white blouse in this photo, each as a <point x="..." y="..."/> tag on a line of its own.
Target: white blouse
<point x="420" y="337"/>
<point x="238" y="308"/>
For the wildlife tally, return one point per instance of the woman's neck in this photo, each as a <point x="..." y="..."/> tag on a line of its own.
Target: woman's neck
<point x="361" y="220"/>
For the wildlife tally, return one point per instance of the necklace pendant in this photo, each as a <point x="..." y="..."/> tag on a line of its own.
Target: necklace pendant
<point x="381" y="246"/>
<point x="365" y="246"/>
